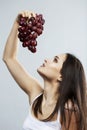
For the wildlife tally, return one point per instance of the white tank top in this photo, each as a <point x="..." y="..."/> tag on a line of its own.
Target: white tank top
<point x="31" y="123"/>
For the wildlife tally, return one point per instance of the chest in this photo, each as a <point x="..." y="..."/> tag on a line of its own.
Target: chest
<point x="46" y="112"/>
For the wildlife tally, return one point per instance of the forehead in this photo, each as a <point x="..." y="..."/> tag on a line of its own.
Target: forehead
<point x="61" y="57"/>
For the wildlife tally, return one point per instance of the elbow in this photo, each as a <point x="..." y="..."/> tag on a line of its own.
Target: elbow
<point x="4" y="59"/>
<point x="7" y="57"/>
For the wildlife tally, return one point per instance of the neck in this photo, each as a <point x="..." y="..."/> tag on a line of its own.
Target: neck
<point x="50" y="95"/>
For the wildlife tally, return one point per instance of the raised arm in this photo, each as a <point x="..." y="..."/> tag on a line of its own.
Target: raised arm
<point x="29" y="84"/>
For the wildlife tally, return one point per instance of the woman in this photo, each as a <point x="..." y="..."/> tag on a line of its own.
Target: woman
<point x="61" y="104"/>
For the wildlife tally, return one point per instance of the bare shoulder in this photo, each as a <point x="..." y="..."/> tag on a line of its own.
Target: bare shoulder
<point x="71" y="116"/>
<point x="72" y="111"/>
<point x="70" y="106"/>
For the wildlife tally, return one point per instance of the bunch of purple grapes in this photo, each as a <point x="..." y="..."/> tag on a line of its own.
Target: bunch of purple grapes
<point x="29" y="29"/>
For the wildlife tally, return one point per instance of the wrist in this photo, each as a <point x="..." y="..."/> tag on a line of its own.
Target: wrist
<point x="14" y="29"/>
<point x="15" y="25"/>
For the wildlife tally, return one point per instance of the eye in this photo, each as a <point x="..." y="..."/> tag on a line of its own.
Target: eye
<point x="55" y="60"/>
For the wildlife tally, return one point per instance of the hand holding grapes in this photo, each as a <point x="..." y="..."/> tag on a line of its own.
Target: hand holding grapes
<point x="30" y="27"/>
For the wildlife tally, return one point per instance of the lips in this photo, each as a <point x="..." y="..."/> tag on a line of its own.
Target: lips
<point x="43" y="65"/>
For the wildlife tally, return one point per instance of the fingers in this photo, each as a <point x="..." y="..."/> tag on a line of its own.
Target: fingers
<point x="27" y="13"/>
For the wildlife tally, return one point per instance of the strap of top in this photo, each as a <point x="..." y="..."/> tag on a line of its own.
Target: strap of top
<point x="58" y="116"/>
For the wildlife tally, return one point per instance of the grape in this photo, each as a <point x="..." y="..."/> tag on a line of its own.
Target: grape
<point x="39" y="31"/>
<point x="32" y="20"/>
<point x="27" y="38"/>
<point x="26" y="43"/>
<point x="32" y="49"/>
<point x="30" y="36"/>
<point x="25" y="33"/>
<point x="22" y="23"/>
<point x="43" y="21"/>
<point x="21" y="35"/>
<point x="39" y="25"/>
<point x="34" y="35"/>
<point x="29" y="25"/>
<point x="34" y="28"/>
<point x="21" y="29"/>
<point x="29" y="30"/>
<point x="33" y="43"/>
<point x="22" y="39"/>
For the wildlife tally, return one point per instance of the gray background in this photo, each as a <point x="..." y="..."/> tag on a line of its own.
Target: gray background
<point x="65" y="31"/>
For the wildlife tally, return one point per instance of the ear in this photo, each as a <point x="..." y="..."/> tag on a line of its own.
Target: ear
<point x="59" y="78"/>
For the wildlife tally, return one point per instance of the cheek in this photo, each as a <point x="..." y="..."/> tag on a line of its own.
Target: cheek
<point x="54" y="72"/>
<point x="50" y="72"/>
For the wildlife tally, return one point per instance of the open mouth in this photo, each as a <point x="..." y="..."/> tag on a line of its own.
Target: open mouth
<point x="43" y="65"/>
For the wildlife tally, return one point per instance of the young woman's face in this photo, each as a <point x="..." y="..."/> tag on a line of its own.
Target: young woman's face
<point x="51" y="68"/>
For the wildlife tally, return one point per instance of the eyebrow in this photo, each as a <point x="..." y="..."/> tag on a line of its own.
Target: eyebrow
<point x="57" y="57"/>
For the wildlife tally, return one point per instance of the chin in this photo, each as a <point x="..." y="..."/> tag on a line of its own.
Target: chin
<point x="40" y="72"/>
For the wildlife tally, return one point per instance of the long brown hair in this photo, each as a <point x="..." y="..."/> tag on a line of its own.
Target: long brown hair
<point x="73" y="87"/>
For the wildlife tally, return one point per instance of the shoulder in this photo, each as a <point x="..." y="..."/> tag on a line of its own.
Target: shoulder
<point x="71" y="111"/>
<point x="70" y="106"/>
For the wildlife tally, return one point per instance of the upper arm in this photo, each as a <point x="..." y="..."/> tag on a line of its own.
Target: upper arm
<point x="29" y="84"/>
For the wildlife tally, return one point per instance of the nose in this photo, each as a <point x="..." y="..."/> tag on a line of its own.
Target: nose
<point x="46" y="60"/>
